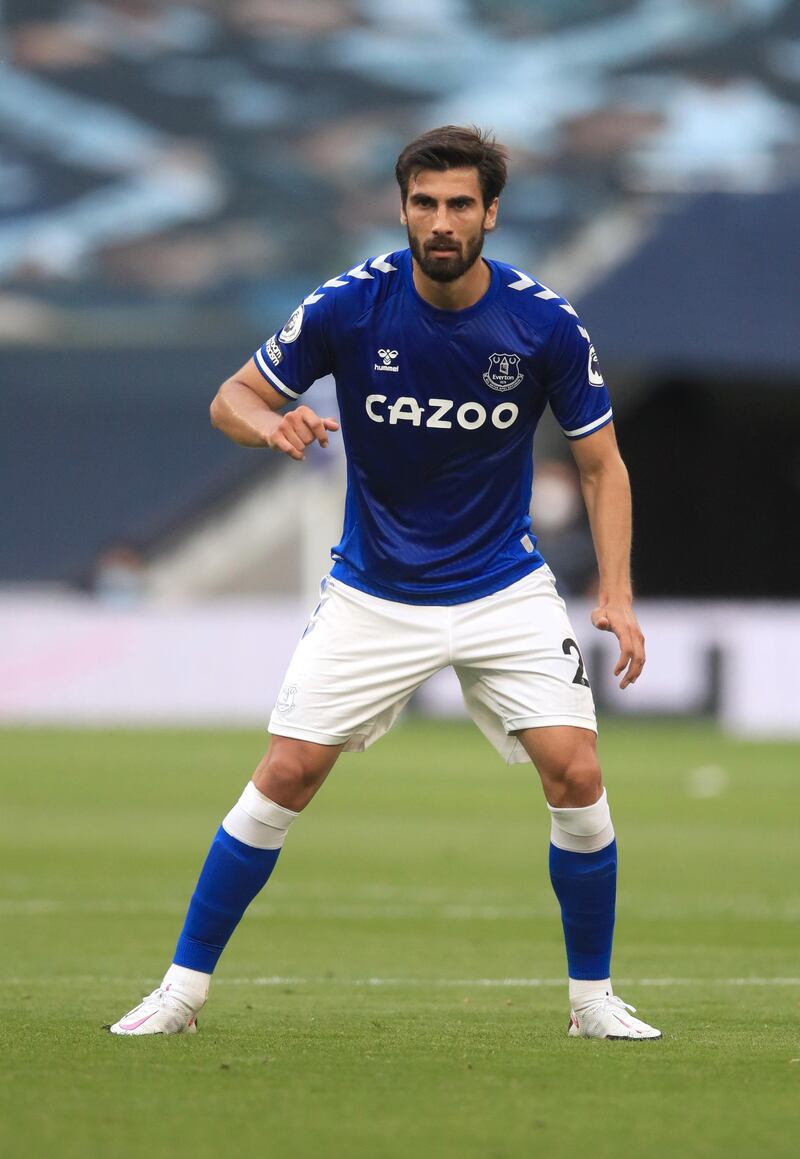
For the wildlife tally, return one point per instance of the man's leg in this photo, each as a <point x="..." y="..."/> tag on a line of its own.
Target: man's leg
<point x="583" y="870"/>
<point x="239" y="863"/>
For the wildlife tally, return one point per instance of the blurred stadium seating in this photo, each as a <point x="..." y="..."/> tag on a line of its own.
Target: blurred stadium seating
<point x="161" y="155"/>
<point x="176" y="175"/>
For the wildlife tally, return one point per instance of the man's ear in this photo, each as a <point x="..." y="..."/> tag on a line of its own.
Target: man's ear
<point x="403" y="218"/>
<point x="490" y="217"/>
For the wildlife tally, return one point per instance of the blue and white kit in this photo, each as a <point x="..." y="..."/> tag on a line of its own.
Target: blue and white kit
<point x="437" y="565"/>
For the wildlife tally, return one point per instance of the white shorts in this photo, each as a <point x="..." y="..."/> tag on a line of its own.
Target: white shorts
<point x="362" y="658"/>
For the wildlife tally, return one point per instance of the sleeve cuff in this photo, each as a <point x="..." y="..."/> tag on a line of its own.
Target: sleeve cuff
<point x="594" y="425"/>
<point x="271" y="376"/>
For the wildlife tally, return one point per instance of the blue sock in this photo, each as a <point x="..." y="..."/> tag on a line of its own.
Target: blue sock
<point x="232" y="876"/>
<point x="586" y="887"/>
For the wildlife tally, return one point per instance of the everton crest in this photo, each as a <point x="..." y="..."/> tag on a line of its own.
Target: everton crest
<point x="503" y="372"/>
<point x="285" y="702"/>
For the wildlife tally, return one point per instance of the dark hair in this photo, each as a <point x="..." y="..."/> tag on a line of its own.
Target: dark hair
<point x="455" y="147"/>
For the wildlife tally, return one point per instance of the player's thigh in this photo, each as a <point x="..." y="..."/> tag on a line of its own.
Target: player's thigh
<point x="291" y="771"/>
<point x="357" y="664"/>
<point x="519" y="659"/>
<point x="567" y="762"/>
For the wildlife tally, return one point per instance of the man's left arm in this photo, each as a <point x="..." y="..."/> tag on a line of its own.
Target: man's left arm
<point x="607" y="495"/>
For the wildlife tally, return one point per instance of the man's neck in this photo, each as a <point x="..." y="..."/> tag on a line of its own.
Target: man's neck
<point x="458" y="295"/>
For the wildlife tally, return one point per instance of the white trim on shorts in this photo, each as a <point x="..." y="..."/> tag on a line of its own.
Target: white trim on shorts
<point x="311" y="734"/>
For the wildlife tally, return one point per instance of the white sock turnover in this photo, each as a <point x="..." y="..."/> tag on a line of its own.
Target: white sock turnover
<point x="583" y="830"/>
<point x="257" y="821"/>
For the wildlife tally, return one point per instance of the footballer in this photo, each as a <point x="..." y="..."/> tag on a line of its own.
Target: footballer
<point x="444" y="362"/>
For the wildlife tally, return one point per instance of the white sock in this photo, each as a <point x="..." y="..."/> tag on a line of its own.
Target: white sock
<point x="193" y="983"/>
<point x="583" y="993"/>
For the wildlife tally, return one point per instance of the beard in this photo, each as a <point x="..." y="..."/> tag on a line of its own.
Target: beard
<point x="449" y="269"/>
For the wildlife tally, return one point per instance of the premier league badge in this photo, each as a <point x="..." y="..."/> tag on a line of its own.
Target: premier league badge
<point x="595" y="373"/>
<point x="293" y="327"/>
<point x="503" y="372"/>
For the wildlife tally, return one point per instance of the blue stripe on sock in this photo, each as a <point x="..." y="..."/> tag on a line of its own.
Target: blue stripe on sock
<point x="586" y="887"/>
<point x="231" y="877"/>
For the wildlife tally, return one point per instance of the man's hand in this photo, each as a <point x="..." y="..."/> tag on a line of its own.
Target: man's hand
<point x="619" y="619"/>
<point x="297" y="430"/>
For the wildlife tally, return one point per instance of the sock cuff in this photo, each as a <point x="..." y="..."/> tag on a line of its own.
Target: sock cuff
<point x="583" y="830"/>
<point x="257" y="821"/>
<point x="260" y="808"/>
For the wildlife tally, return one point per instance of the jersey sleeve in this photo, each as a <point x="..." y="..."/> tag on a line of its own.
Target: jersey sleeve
<point x="299" y="354"/>
<point x="575" y="388"/>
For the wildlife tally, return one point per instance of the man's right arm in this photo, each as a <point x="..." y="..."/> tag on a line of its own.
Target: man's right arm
<point x="245" y="408"/>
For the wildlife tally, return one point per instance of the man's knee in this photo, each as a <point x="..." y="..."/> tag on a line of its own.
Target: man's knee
<point x="567" y="761"/>
<point x="292" y="770"/>
<point x="576" y="783"/>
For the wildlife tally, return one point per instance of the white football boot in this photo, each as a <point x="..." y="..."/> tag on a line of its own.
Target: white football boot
<point x="165" y="1011"/>
<point x="609" y="1017"/>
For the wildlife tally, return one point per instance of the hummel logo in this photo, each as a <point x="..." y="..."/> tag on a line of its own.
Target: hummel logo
<point x="387" y="356"/>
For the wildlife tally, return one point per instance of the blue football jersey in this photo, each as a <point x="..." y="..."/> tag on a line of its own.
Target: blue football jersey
<point x="438" y="410"/>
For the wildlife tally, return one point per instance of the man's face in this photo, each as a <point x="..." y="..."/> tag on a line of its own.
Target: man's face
<point x="446" y="221"/>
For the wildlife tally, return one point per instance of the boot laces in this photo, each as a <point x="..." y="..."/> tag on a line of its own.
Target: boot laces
<point x="613" y="1000"/>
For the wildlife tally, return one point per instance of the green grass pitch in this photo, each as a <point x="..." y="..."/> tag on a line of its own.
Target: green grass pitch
<point x="396" y="989"/>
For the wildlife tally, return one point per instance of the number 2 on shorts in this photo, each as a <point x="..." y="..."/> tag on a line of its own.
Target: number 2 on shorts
<point x="580" y="676"/>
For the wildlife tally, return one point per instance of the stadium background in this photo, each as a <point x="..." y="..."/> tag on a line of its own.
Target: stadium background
<point x="174" y="178"/>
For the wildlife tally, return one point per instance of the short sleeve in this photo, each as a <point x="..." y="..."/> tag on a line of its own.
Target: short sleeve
<point x="575" y="388"/>
<point x="299" y="354"/>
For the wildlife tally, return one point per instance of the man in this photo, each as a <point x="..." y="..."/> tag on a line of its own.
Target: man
<point x="444" y="362"/>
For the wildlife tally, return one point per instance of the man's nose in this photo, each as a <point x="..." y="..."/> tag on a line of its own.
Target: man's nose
<point x="441" y="223"/>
